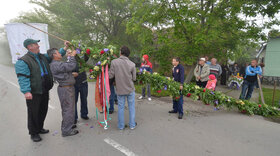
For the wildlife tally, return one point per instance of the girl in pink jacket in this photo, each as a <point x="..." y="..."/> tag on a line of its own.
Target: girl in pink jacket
<point x="211" y="84"/>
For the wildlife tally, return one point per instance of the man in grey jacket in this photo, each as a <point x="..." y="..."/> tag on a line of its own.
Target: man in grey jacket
<point x="62" y="73"/>
<point x="124" y="72"/>
<point x="201" y="73"/>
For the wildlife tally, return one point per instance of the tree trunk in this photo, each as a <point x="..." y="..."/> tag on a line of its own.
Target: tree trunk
<point x="190" y="74"/>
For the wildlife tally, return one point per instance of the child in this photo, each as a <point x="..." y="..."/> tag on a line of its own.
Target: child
<point x="211" y="84"/>
<point x="178" y="76"/>
<point x="147" y="66"/>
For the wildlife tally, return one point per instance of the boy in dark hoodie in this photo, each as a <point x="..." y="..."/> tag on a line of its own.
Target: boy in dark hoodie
<point x="178" y="73"/>
<point x="146" y="66"/>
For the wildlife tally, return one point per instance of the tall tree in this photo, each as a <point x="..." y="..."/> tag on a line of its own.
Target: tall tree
<point x="194" y="28"/>
<point x="94" y="22"/>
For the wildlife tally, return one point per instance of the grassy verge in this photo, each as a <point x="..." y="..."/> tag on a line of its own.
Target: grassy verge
<point x="268" y="93"/>
<point x="138" y="89"/>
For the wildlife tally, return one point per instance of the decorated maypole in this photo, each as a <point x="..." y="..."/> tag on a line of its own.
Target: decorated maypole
<point x="100" y="72"/>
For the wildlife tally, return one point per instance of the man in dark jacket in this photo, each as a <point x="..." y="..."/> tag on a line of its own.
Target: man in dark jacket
<point x="81" y="87"/>
<point x="35" y="80"/>
<point x="178" y="76"/>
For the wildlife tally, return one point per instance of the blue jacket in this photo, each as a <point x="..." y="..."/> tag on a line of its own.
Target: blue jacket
<point x="22" y="68"/>
<point x="251" y="73"/>
<point x="179" y="74"/>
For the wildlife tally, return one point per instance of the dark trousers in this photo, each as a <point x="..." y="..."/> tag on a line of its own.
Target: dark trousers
<point x="37" y="109"/>
<point x="201" y="84"/>
<point x="113" y="97"/>
<point x="81" y="89"/>
<point x="148" y="91"/>
<point x="247" y="90"/>
<point x="178" y="105"/>
<point x="223" y="79"/>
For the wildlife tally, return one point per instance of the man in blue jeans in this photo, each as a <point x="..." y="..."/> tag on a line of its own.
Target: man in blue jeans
<point x="250" y="80"/>
<point x="124" y="72"/>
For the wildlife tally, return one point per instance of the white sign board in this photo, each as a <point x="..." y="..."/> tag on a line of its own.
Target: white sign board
<point x="18" y="32"/>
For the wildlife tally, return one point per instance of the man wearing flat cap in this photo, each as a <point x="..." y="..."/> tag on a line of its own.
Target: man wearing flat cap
<point x="201" y="73"/>
<point x="35" y="80"/>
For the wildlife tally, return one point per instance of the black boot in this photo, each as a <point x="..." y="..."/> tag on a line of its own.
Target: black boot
<point x="44" y="131"/>
<point x="180" y="116"/>
<point x="173" y="112"/>
<point x="36" y="137"/>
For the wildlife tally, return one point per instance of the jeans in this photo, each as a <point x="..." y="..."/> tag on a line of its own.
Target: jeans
<point x="178" y="105"/>
<point x="83" y="90"/>
<point x="148" y="91"/>
<point x="247" y="90"/>
<point x="131" y="106"/>
<point x="113" y="97"/>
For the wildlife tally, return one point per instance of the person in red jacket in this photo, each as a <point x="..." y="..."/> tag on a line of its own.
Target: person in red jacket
<point x="146" y="66"/>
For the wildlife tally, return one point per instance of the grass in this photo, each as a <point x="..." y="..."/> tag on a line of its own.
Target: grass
<point x="268" y="94"/>
<point x="138" y="89"/>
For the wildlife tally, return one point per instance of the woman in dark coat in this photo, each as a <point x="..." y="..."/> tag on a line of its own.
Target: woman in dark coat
<point x="225" y="70"/>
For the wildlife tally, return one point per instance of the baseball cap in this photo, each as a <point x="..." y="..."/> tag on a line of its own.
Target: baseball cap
<point x="29" y="41"/>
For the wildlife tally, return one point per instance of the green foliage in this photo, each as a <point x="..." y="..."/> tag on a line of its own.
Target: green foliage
<point x="218" y="99"/>
<point x="190" y="29"/>
<point x="94" y="22"/>
<point x="138" y="89"/>
<point x="100" y="57"/>
<point x="268" y="93"/>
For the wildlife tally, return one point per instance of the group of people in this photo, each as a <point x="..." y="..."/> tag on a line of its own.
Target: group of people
<point x="207" y="74"/>
<point x="37" y="73"/>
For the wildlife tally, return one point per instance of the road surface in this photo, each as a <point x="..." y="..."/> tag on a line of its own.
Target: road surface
<point x="202" y="132"/>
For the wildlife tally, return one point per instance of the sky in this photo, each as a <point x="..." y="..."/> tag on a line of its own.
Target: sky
<point x="10" y="9"/>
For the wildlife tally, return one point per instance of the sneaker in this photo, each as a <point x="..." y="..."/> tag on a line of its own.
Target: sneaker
<point x="141" y="97"/>
<point x="149" y="99"/>
<point x="134" y="126"/>
<point x="125" y="126"/>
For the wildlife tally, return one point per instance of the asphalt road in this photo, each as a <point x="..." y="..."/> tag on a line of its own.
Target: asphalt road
<point x="202" y="132"/>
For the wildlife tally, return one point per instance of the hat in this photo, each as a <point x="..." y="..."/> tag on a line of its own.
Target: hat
<point x="202" y="59"/>
<point x="212" y="77"/>
<point x="29" y="41"/>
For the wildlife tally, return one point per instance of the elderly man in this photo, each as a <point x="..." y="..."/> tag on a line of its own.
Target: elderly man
<point x="124" y="72"/>
<point x="215" y="68"/>
<point x="62" y="73"/>
<point x="35" y="80"/>
<point x="201" y="73"/>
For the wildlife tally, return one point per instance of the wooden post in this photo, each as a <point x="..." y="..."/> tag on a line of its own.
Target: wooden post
<point x="261" y="92"/>
<point x="274" y="91"/>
